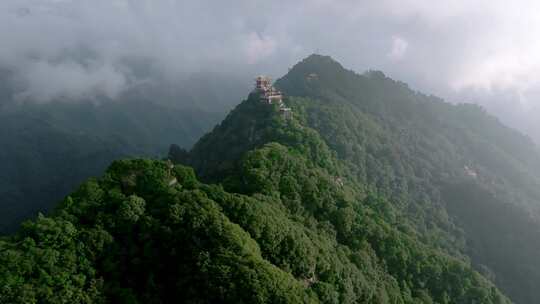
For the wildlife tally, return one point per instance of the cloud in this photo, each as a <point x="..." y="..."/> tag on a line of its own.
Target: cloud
<point x="79" y="48"/>
<point x="398" y="49"/>
<point x="465" y="43"/>
<point x="46" y="81"/>
<point x="258" y="48"/>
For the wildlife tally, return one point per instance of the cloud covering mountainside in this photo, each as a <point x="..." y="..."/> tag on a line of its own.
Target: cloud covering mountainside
<point x="474" y="51"/>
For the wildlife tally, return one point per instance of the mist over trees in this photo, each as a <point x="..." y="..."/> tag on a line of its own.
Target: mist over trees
<point x="49" y="148"/>
<point x="462" y="51"/>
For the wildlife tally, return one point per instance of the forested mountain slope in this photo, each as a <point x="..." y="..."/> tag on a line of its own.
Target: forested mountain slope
<point x="453" y="170"/>
<point x="470" y="183"/>
<point x="291" y="224"/>
<point x="369" y="193"/>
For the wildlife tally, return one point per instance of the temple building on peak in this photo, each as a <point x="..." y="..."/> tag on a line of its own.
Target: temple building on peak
<point x="270" y="95"/>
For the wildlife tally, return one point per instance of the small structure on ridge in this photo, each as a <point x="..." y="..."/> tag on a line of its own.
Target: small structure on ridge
<point x="270" y="95"/>
<point x="285" y="112"/>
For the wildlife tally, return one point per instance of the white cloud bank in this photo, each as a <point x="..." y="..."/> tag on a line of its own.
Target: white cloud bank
<point x="76" y="48"/>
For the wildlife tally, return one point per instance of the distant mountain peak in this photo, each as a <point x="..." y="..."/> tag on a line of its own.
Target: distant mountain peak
<point x="315" y="75"/>
<point x="317" y="64"/>
<point x="319" y="58"/>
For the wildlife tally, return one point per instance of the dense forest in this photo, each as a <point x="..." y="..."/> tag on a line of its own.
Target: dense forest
<point x="467" y="183"/>
<point x="149" y="232"/>
<point x="369" y="193"/>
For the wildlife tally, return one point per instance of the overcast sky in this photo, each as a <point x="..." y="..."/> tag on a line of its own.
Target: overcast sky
<point x="484" y="51"/>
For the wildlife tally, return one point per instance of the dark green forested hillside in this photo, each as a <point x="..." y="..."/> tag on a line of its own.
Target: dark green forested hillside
<point x="370" y="193"/>
<point x="430" y="158"/>
<point x="298" y="228"/>
<point x="411" y="148"/>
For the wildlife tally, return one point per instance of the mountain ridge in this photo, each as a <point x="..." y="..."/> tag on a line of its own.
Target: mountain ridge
<point x="412" y="148"/>
<point x="346" y="201"/>
<point x="455" y="144"/>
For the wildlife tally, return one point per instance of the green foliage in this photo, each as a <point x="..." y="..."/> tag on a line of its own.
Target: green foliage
<point x="328" y="203"/>
<point x="409" y="147"/>
<point x="343" y="203"/>
<point x="250" y="125"/>
<point x="169" y="243"/>
<point x="133" y="237"/>
<point x="45" y="263"/>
